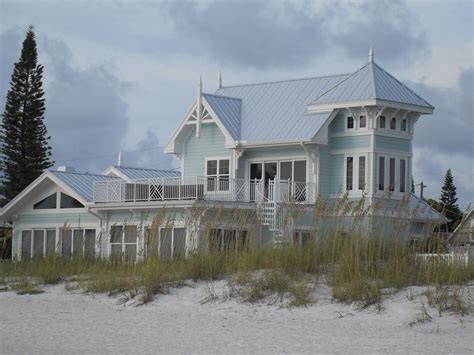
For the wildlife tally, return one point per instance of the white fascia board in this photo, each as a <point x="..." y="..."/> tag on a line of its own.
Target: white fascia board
<point x="271" y="143"/>
<point x="170" y="146"/>
<point x="319" y="108"/>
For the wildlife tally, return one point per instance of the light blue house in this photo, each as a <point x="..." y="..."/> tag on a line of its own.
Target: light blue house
<point x="257" y="161"/>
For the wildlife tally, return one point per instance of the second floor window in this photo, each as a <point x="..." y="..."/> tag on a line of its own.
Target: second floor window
<point x="350" y="122"/>
<point x="382" y="122"/>
<point x="349" y="172"/>
<point x="393" y="123"/>
<point x="362" y="122"/>
<point x="404" y="125"/>
<point x="218" y="173"/>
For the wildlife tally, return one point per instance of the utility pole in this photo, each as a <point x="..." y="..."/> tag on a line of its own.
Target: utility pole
<point x="422" y="186"/>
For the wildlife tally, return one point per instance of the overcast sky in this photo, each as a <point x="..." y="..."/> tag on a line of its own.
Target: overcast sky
<point x="121" y="74"/>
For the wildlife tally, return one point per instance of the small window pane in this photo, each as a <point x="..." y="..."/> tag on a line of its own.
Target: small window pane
<point x="69" y="202"/>
<point x="393" y="123"/>
<point x="151" y="239"/>
<point x="131" y="251"/>
<point x="25" y="244"/>
<point x="116" y="250"/>
<point x="404" y="125"/>
<point x="47" y="203"/>
<point x="89" y="243"/>
<point x="350" y="122"/>
<point x="179" y="242"/>
<point x="50" y="241"/>
<point x="66" y="242"/>
<point x="165" y="243"/>
<point x="381" y="173"/>
<point x="116" y="234"/>
<point x="38" y="242"/>
<point x="300" y="171"/>
<point x="224" y="167"/>
<point x="212" y="167"/>
<point x="402" y="175"/>
<point x="286" y="168"/>
<point x="78" y="242"/>
<point x="362" y="122"/>
<point x="361" y="173"/>
<point x="382" y="122"/>
<point x="131" y="234"/>
<point x="392" y="174"/>
<point x="349" y="172"/>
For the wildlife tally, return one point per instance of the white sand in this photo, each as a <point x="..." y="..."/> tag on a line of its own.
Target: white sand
<point x="58" y="321"/>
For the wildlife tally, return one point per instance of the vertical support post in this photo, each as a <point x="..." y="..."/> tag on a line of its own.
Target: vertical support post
<point x="198" y="110"/>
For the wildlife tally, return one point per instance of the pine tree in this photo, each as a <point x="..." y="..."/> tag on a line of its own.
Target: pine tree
<point x="448" y="201"/>
<point x="24" y="144"/>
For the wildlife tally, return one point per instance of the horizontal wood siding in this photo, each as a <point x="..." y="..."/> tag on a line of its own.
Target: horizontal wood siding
<point x="54" y="219"/>
<point x="392" y="144"/>
<point x="210" y="143"/>
<point x="351" y="142"/>
<point x="337" y="124"/>
<point x="331" y="172"/>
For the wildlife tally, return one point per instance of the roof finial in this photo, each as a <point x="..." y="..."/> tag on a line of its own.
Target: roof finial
<point x="200" y="86"/>
<point x="119" y="158"/>
<point x="371" y="55"/>
<point x="219" y="80"/>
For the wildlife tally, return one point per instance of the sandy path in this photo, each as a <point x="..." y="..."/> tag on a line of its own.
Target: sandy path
<point x="59" y="321"/>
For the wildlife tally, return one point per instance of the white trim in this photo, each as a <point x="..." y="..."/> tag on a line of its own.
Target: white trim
<point x="355" y="191"/>
<point x="371" y="102"/>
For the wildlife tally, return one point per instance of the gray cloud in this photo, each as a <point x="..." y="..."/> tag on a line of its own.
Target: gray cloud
<point x="264" y="34"/>
<point x="451" y="128"/>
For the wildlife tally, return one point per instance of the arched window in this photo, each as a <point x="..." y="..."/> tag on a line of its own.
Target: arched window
<point x="69" y="202"/>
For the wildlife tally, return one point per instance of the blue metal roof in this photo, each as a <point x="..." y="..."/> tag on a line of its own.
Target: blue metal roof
<point x="370" y="82"/>
<point x="229" y="110"/>
<point x="81" y="183"/>
<point x="145" y="173"/>
<point x="277" y="111"/>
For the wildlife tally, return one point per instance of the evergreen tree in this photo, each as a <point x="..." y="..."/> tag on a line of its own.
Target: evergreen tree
<point x="24" y="144"/>
<point x="448" y="201"/>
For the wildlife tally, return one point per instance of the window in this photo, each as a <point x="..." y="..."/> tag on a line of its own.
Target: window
<point x="47" y="203"/>
<point x="218" y="173"/>
<point x="402" y="175"/>
<point x="391" y="174"/>
<point x="38" y="243"/>
<point x="349" y="173"/>
<point x="350" y="122"/>
<point x="382" y="122"/>
<point x="404" y="125"/>
<point x="123" y="241"/>
<point x="393" y="123"/>
<point x="362" y="122"/>
<point x="381" y="173"/>
<point x="166" y="242"/>
<point x="303" y="238"/>
<point x="361" y="173"/>
<point x="78" y="241"/>
<point x="227" y="239"/>
<point x="69" y="202"/>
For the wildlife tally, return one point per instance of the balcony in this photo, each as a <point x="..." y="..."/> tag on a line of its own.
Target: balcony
<point x="203" y="188"/>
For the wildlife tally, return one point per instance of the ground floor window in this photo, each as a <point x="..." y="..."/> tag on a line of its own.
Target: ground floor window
<point x="78" y="241"/>
<point x="227" y="239"/>
<point x="38" y="242"/>
<point x="123" y="241"/>
<point x="302" y="238"/>
<point x="168" y="243"/>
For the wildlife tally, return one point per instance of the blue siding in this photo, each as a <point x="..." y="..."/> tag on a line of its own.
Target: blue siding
<point x="73" y="219"/>
<point x="211" y="143"/>
<point x="337" y="125"/>
<point x="352" y="142"/>
<point x="392" y="143"/>
<point x="331" y="172"/>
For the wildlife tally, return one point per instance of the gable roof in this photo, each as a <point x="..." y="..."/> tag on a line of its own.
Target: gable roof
<point x="371" y="82"/>
<point x="81" y="183"/>
<point x="277" y="111"/>
<point x="229" y="111"/>
<point x="132" y="173"/>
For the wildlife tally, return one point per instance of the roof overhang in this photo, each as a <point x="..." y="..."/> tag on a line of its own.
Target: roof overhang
<point x="318" y="108"/>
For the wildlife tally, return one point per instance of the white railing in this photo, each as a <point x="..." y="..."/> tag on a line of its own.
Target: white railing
<point x="203" y="188"/>
<point x="448" y="258"/>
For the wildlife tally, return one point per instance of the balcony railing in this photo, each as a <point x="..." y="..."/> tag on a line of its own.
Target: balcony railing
<point x="203" y="188"/>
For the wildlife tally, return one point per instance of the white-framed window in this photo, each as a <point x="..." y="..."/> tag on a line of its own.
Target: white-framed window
<point x="218" y="174"/>
<point x="78" y="241"/>
<point x="38" y="242"/>
<point x="355" y="172"/>
<point x="123" y="241"/>
<point x="403" y="125"/>
<point x="302" y="237"/>
<point x="350" y="122"/>
<point x="362" y="122"/>
<point x="392" y="173"/>
<point x="167" y="242"/>
<point x="47" y="203"/>
<point x="382" y="122"/>
<point x="393" y="123"/>
<point x="227" y="239"/>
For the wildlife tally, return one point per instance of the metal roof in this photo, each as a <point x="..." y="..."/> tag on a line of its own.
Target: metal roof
<point x="81" y="183"/>
<point x="419" y="209"/>
<point x="277" y="111"/>
<point x="370" y="82"/>
<point x="145" y="173"/>
<point x="229" y="110"/>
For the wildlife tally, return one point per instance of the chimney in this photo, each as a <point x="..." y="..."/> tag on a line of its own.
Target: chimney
<point x="66" y="169"/>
